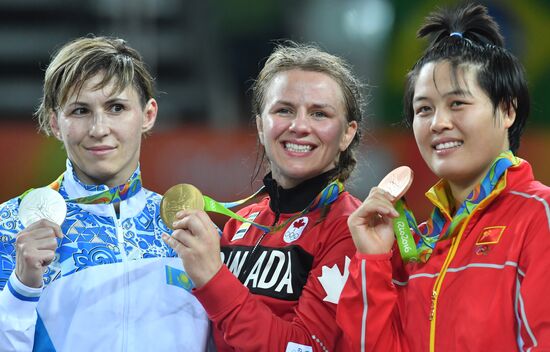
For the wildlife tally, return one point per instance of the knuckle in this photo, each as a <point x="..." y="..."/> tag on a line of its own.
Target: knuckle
<point x="43" y="223"/>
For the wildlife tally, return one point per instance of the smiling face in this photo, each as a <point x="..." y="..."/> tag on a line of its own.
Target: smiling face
<point x="457" y="129"/>
<point x="101" y="130"/>
<point x="303" y="125"/>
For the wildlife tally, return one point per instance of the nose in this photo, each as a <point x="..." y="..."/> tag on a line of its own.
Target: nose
<point x="301" y="123"/>
<point x="441" y="120"/>
<point x="100" y="127"/>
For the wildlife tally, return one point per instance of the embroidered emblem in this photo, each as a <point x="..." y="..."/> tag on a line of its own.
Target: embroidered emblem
<point x="244" y="227"/>
<point x="490" y="235"/>
<point x="295" y="229"/>
<point x="178" y="278"/>
<point x="333" y="281"/>
<point x="296" y="347"/>
<point x="482" y="250"/>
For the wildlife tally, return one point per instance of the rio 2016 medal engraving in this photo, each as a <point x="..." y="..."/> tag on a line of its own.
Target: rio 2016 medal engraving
<point x="180" y="197"/>
<point x="397" y="182"/>
<point x="42" y="203"/>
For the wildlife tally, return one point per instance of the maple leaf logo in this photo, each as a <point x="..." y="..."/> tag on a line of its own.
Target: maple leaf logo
<point x="295" y="229"/>
<point x="333" y="281"/>
<point x="299" y="223"/>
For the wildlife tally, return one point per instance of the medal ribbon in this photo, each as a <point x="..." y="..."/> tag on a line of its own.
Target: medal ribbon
<point x="491" y="185"/>
<point x="327" y="196"/>
<point x="109" y="196"/>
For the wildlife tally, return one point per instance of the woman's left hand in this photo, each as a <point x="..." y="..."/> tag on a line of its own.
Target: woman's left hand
<point x="197" y="242"/>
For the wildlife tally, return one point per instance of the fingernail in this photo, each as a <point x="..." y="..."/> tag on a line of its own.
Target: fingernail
<point x="179" y="214"/>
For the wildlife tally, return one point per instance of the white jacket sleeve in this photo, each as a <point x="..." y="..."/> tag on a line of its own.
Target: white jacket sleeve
<point x="18" y="315"/>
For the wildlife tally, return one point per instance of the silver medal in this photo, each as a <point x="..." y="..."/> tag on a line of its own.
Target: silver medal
<point x="42" y="203"/>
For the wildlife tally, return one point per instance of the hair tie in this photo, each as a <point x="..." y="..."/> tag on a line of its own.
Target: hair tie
<point x="457" y="34"/>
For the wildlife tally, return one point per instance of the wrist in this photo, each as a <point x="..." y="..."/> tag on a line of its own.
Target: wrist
<point x="31" y="282"/>
<point x="206" y="275"/>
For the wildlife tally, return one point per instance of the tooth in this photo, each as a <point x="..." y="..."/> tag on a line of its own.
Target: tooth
<point x="448" y="145"/>
<point x="297" y="147"/>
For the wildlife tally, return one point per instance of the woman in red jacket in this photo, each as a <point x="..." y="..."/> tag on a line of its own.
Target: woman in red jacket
<point x="479" y="281"/>
<point x="281" y="281"/>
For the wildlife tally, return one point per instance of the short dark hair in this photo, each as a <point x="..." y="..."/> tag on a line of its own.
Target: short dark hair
<point x="476" y="41"/>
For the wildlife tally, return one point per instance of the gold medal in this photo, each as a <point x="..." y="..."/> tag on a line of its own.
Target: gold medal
<point x="180" y="197"/>
<point x="397" y="182"/>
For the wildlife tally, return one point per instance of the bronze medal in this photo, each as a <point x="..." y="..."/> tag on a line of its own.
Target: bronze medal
<point x="179" y="197"/>
<point x="397" y="182"/>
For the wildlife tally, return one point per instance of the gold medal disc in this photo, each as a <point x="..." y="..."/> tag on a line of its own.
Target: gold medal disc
<point x="180" y="197"/>
<point x="397" y="182"/>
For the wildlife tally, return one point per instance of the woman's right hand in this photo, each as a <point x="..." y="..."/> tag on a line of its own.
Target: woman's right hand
<point x="371" y="224"/>
<point x="35" y="250"/>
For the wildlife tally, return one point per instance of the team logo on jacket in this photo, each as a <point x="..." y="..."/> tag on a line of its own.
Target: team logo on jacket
<point x="295" y="229"/>
<point x="296" y="347"/>
<point x="333" y="280"/>
<point x="244" y="227"/>
<point x="488" y="236"/>
<point x="279" y="272"/>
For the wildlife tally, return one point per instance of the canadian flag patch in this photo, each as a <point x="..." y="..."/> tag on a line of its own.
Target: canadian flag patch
<point x="294" y="231"/>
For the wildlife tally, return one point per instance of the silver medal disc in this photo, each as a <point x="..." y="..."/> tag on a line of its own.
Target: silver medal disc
<point x="42" y="203"/>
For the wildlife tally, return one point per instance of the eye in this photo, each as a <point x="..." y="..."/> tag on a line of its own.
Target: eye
<point x="457" y="103"/>
<point x="79" y="111"/>
<point x="283" y="111"/>
<point x="319" y="114"/>
<point x="117" y="108"/>
<point x="423" y="110"/>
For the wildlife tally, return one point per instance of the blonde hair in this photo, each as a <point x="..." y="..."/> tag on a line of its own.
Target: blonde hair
<point x="83" y="58"/>
<point x="307" y="57"/>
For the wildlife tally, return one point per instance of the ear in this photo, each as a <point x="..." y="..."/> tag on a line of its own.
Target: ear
<point x="349" y="134"/>
<point x="54" y="126"/>
<point x="508" y="114"/>
<point x="259" y="127"/>
<point x="149" y="115"/>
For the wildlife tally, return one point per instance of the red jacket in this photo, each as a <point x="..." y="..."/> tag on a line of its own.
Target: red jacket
<point x="491" y="283"/>
<point x="284" y="304"/>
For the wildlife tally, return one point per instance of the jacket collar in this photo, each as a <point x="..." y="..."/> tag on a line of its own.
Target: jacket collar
<point x="295" y="199"/>
<point x="72" y="187"/>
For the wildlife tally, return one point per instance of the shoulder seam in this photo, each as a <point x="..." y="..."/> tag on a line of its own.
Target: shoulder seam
<point x="536" y="198"/>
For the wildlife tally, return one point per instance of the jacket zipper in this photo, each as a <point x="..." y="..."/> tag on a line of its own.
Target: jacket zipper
<point x="249" y="261"/>
<point x="452" y="252"/>
<point x="455" y="241"/>
<point x="126" y="281"/>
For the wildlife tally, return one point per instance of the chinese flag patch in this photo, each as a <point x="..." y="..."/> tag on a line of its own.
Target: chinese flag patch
<point x="490" y="235"/>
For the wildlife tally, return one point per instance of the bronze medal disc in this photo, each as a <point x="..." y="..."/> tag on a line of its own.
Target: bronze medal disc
<point x="397" y="182"/>
<point x="179" y="197"/>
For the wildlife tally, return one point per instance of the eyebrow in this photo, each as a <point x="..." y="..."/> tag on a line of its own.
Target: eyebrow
<point x="314" y="105"/>
<point x="460" y="92"/>
<point x="110" y="101"/>
<point x="323" y="106"/>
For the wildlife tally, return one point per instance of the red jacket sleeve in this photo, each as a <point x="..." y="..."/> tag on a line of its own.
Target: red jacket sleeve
<point x="531" y="296"/>
<point x="249" y="324"/>
<point x="368" y="310"/>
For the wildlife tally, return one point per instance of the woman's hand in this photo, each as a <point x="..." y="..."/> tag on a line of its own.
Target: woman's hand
<point x="34" y="250"/>
<point x="197" y="242"/>
<point x="371" y="224"/>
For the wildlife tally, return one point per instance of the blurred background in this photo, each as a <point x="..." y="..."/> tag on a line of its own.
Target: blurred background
<point x="204" y="54"/>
